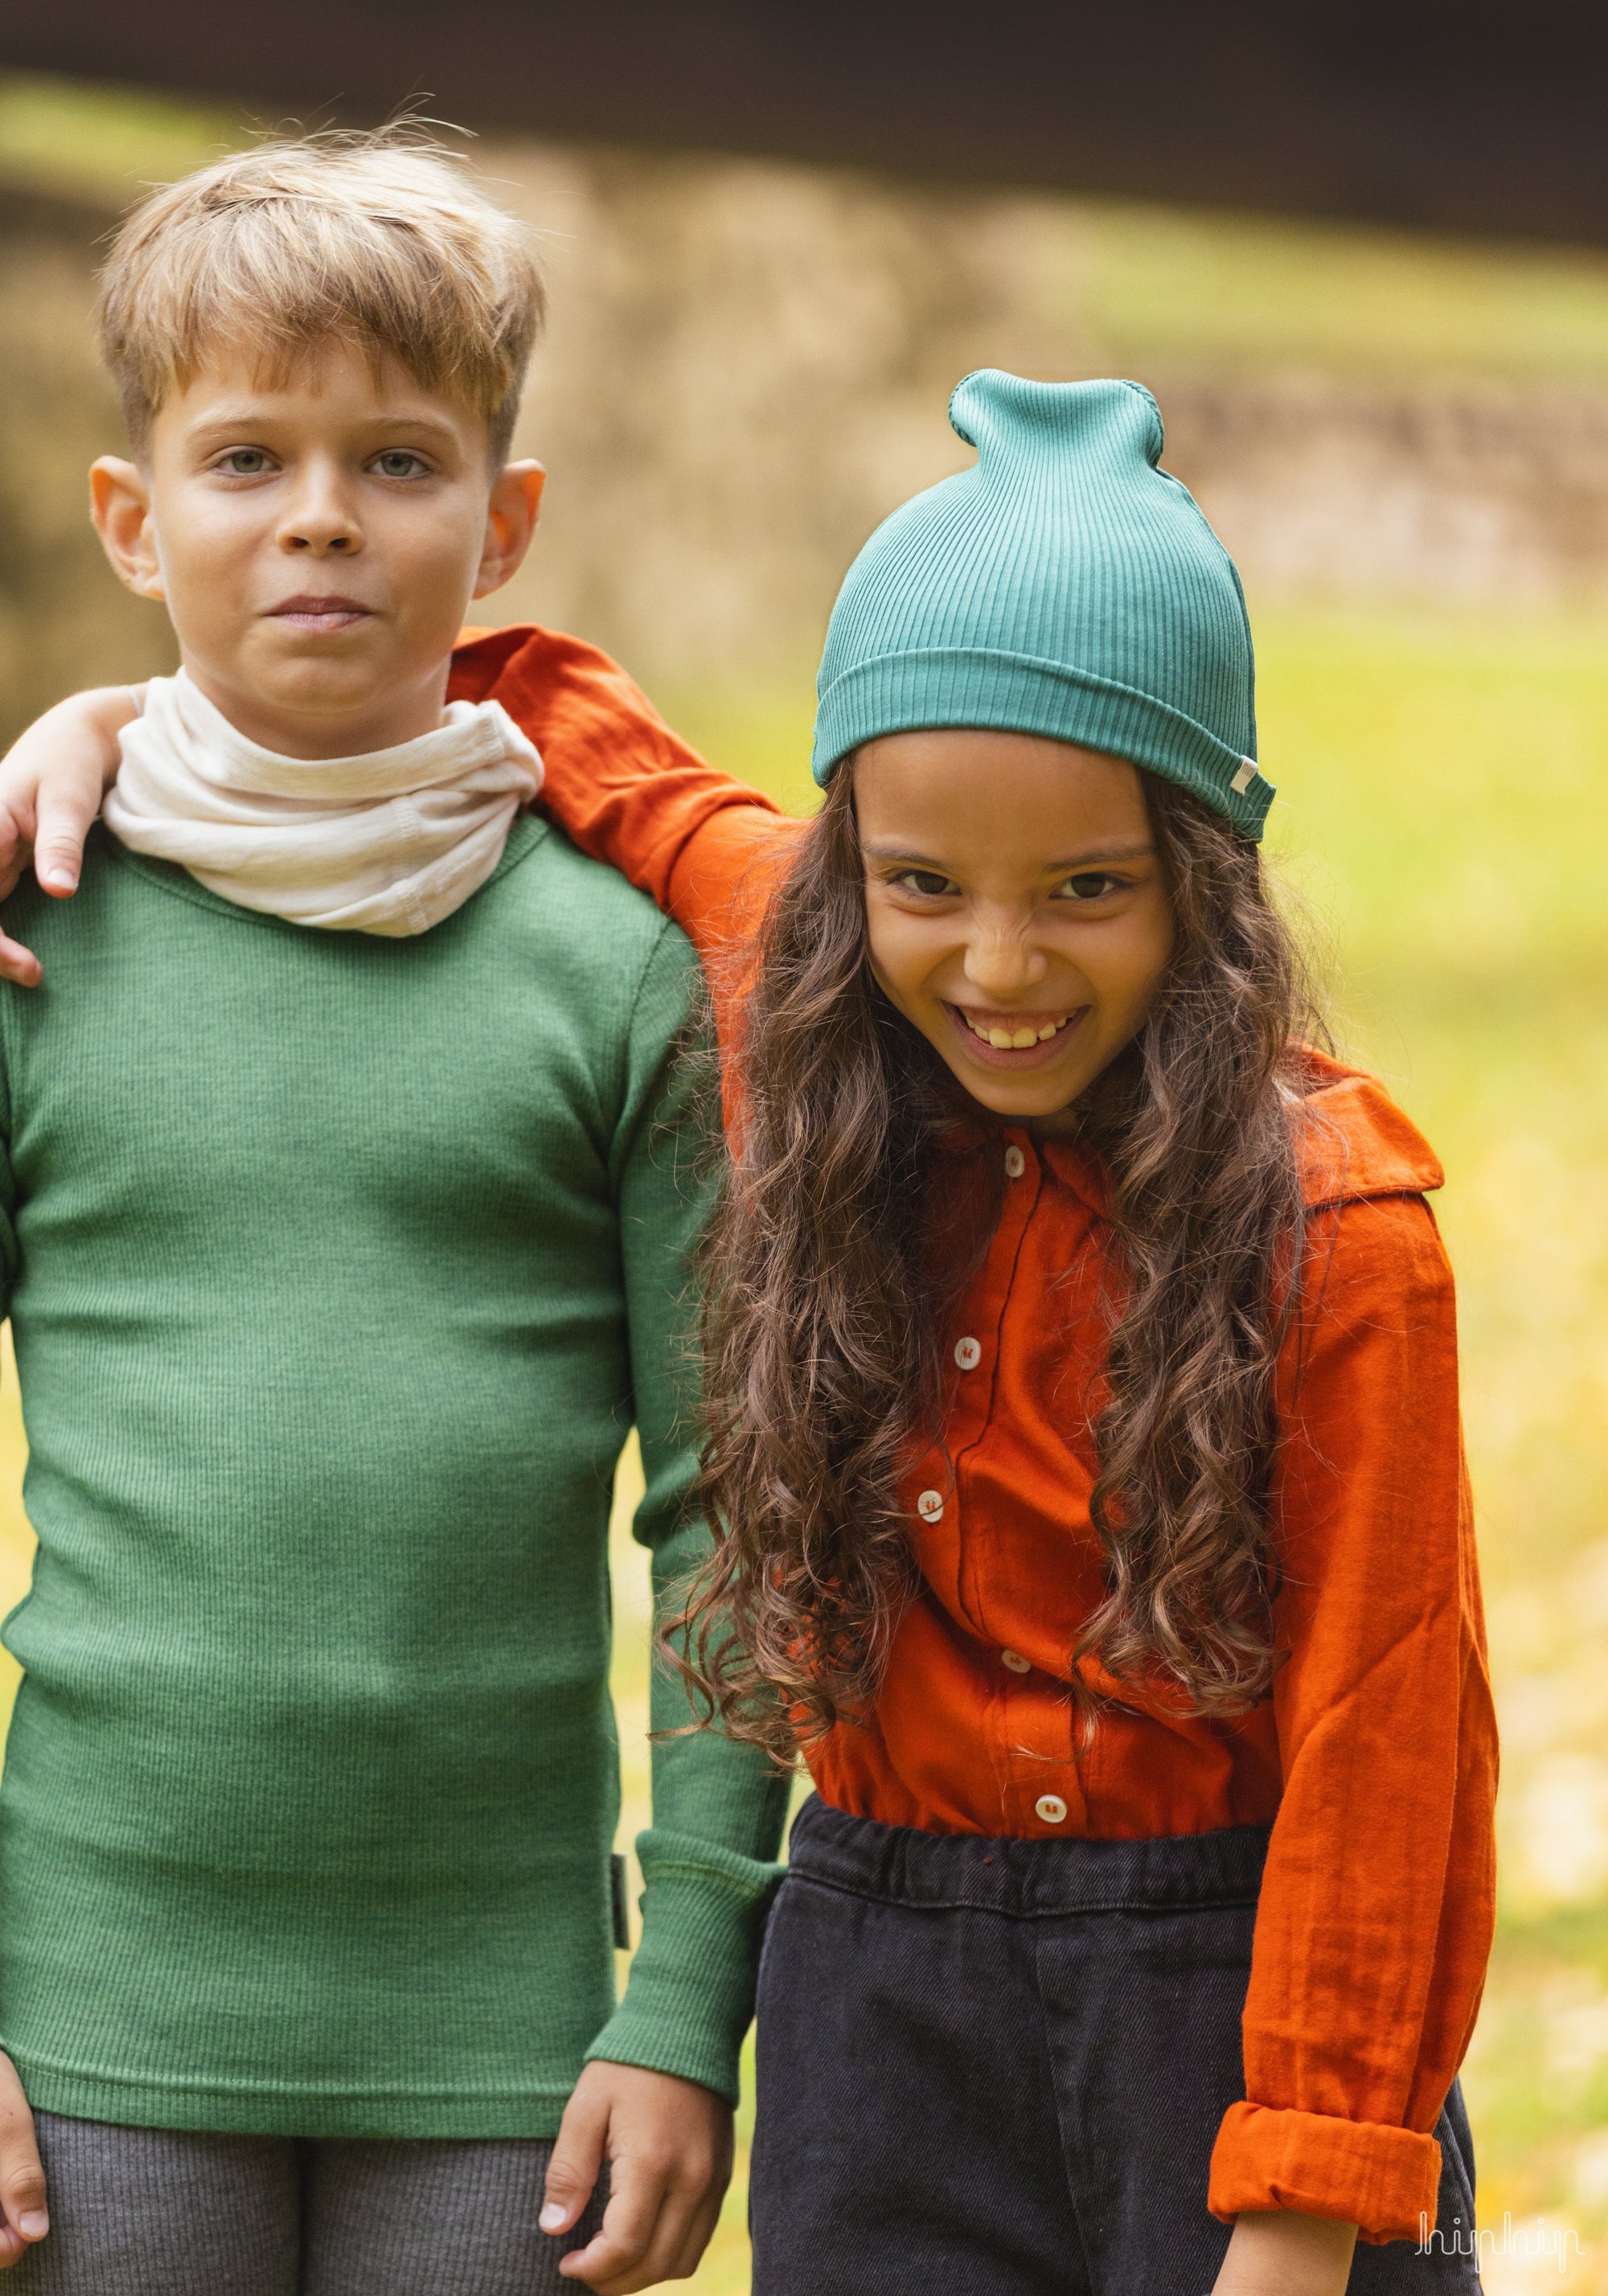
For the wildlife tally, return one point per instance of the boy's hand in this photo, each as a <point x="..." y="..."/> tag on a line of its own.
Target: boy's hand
<point x="1284" y="2253"/>
<point x="668" y="2146"/>
<point x="21" y="2178"/>
<point x="51" y="781"/>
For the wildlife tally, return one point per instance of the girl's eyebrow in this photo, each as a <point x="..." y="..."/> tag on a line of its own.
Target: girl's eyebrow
<point x="1137" y="849"/>
<point x="880" y="849"/>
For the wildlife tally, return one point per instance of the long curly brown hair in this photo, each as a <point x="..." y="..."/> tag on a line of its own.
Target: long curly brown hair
<point x="829" y="1287"/>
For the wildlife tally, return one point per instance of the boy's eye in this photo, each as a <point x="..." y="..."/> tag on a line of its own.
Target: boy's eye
<point x="1088" y="885"/>
<point x="243" y="462"/>
<point x="931" y="883"/>
<point x="401" y="462"/>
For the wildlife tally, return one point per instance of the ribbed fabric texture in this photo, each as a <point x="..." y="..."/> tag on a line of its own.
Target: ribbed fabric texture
<point x="152" y="2212"/>
<point x="338" y="1266"/>
<point x="1063" y="585"/>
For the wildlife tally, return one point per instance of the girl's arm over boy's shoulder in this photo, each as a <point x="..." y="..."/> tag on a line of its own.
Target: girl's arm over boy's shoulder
<point x="626" y="788"/>
<point x="622" y="784"/>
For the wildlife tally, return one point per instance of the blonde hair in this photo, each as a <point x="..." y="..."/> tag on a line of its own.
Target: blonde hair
<point x="382" y="241"/>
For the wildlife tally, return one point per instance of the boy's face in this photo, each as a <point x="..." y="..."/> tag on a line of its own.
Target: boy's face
<point x="316" y="541"/>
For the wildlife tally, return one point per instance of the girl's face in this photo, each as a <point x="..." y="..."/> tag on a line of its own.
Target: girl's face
<point x="1016" y="906"/>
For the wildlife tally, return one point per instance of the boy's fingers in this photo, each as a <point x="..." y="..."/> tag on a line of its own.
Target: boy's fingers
<point x="680" y="2237"/>
<point x="611" y="2260"/>
<point x="695" y="2238"/>
<point x="578" y="2152"/>
<point x="21" y="2177"/>
<point x="680" y="2234"/>
<point x="668" y="2144"/>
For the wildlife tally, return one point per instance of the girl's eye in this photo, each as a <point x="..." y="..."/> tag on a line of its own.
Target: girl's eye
<point x="243" y="462"/>
<point x="1088" y="885"/>
<point x="928" y="882"/>
<point x="401" y="462"/>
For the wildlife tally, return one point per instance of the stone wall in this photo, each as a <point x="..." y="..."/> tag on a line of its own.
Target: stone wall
<point x="1457" y="493"/>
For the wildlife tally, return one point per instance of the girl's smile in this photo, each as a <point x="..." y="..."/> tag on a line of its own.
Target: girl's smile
<point x="1012" y="1040"/>
<point x="1016" y="908"/>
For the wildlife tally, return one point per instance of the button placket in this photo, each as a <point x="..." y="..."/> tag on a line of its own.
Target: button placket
<point x="985" y="1307"/>
<point x="974" y="1398"/>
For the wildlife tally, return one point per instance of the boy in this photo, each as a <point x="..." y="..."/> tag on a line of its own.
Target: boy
<point x="345" y="1221"/>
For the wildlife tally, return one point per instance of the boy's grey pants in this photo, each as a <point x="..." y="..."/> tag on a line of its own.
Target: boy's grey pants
<point x="153" y="2212"/>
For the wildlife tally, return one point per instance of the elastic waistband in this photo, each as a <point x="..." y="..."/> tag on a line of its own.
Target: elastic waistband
<point x="1032" y="1880"/>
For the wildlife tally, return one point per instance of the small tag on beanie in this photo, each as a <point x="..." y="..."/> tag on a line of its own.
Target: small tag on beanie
<point x="1244" y="777"/>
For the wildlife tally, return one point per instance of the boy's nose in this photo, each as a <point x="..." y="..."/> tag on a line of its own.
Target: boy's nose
<point x="319" y="523"/>
<point x="320" y="539"/>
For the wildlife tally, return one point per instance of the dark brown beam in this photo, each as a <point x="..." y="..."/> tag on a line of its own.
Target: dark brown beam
<point x="1480" y="116"/>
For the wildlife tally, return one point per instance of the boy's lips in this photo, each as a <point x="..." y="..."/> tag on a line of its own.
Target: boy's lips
<point x="308" y="612"/>
<point x="1043" y="1048"/>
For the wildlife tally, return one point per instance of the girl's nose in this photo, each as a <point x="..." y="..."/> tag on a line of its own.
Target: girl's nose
<point x="1003" y="964"/>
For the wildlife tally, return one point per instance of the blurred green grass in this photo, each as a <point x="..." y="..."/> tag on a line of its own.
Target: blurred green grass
<point x="1443" y="820"/>
<point x="75" y="137"/>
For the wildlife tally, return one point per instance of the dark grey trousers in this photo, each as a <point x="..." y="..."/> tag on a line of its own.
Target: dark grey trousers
<point x="156" y="2212"/>
<point x="997" y="2068"/>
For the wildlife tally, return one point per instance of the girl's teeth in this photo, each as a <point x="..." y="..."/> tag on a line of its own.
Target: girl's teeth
<point x="1015" y="1041"/>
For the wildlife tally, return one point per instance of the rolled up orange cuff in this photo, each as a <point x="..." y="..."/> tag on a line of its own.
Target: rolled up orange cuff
<point x="1381" y="2179"/>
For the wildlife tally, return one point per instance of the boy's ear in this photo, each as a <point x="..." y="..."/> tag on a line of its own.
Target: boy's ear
<point x="516" y="501"/>
<point x="120" y="500"/>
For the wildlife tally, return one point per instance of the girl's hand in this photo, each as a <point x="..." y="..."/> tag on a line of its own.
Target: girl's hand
<point x="1283" y="2254"/>
<point x="21" y="2178"/>
<point x="51" y="781"/>
<point x="668" y="2146"/>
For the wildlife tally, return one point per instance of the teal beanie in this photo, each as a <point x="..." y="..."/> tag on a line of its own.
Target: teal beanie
<point x="1064" y="585"/>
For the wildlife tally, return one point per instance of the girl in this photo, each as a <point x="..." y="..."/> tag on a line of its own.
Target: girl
<point x="1083" y="1407"/>
<point x="1083" y="1413"/>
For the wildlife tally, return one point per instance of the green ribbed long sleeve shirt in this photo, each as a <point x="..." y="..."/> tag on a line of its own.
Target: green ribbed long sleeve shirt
<point x="338" y="1269"/>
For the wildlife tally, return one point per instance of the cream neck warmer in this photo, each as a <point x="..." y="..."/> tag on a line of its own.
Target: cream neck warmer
<point x="389" y="844"/>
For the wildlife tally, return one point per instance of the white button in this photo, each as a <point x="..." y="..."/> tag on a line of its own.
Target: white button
<point x="1016" y="1163"/>
<point x="968" y="1354"/>
<point x="1051" y="1808"/>
<point x="930" y="1505"/>
<point x="1016" y="1662"/>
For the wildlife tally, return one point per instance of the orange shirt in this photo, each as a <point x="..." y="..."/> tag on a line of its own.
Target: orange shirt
<point x="1375" y="1755"/>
